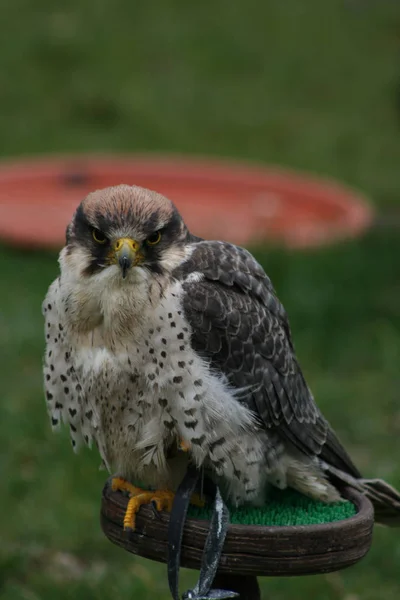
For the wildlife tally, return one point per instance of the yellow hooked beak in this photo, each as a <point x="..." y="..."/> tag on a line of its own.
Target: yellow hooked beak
<point x="126" y="253"/>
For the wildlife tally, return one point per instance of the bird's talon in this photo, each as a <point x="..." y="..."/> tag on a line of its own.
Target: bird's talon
<point x="155" y="510"/>
<point x="159" y="504"/>
<point x="159" y="499"/>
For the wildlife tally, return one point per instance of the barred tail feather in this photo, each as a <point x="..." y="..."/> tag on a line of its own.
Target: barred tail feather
<point x="384" y="498"/>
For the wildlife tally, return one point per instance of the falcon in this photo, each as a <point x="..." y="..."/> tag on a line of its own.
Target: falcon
<point x="164" y="348"/>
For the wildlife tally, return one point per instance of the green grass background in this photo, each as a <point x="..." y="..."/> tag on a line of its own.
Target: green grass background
<point x="307" y="84"/>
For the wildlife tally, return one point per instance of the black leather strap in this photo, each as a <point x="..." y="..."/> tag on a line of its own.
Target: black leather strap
<point x="213" y="547"/>
<point x="211" y="555"/>
<point x="177" y="520"/>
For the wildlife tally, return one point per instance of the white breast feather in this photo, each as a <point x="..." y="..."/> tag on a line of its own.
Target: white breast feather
<point x="164" y="388"/>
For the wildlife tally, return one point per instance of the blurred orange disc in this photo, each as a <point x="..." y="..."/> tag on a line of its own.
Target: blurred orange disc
<point x="218" y="200"/>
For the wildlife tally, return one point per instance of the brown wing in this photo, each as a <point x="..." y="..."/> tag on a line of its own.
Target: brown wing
<point x="240" y="327"/>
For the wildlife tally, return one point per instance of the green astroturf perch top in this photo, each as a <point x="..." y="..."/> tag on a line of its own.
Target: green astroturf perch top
<point x="284" y="508"/>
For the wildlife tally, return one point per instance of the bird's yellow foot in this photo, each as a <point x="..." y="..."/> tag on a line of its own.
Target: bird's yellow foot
<point x="137" y="496"/>
<point x="162" y="499"/>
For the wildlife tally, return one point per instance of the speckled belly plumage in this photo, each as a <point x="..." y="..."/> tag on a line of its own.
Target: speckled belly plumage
<point x="136" y="400"/>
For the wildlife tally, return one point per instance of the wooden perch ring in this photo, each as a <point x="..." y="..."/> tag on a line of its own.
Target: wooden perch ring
<point x="250" y="550"/>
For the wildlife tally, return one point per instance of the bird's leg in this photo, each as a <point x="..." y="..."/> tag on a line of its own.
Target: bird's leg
<point x="183" y="445"/>
<point x="162" y="500"/>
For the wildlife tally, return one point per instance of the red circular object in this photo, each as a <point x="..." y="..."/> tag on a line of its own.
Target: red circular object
<point x="218" y="200"/>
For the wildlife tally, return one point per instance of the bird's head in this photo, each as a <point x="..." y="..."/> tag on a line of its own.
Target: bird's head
<point x="124" y="234"/>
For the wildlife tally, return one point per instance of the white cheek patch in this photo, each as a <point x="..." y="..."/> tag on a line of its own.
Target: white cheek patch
<point x="74" y="262"/>
<point x="172" y="257"/>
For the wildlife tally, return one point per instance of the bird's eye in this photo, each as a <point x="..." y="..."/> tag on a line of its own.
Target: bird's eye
<point x="99" y="236"/>
<point x="154" y="238"/>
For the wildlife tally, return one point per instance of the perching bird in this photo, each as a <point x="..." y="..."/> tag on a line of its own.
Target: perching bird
<point x="159" y="341"/>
